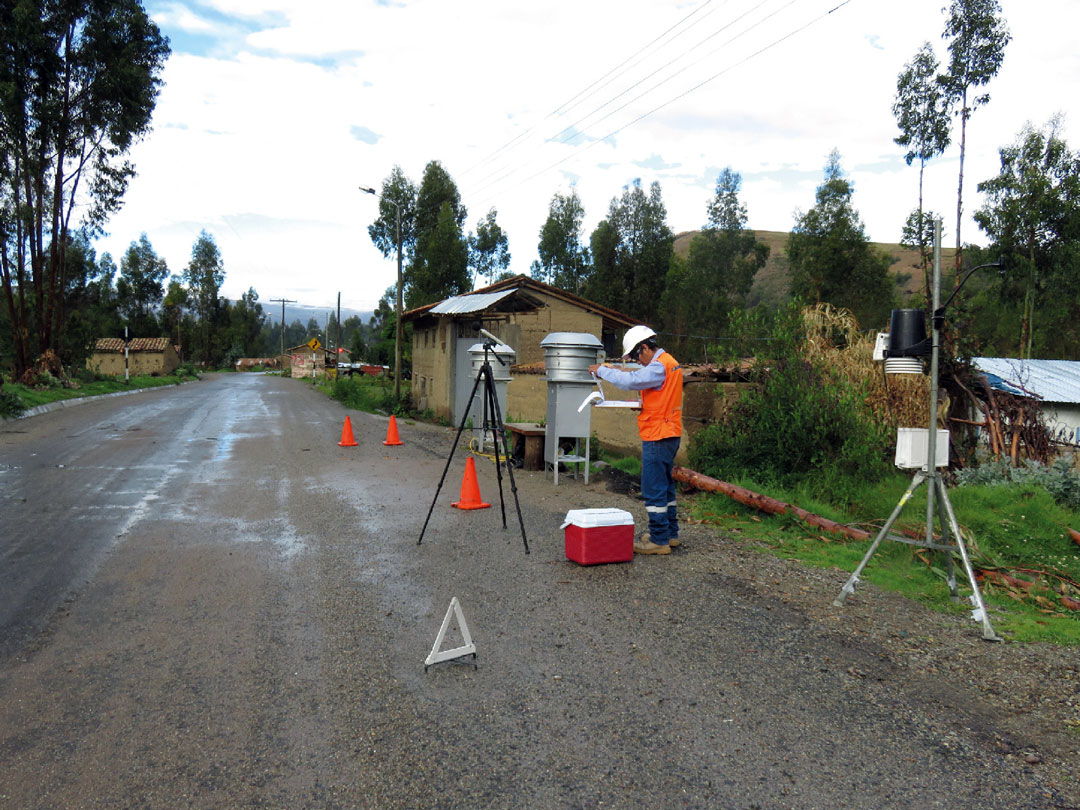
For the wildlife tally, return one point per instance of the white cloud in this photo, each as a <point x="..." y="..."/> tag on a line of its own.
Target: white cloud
<point x="274" y="112"/>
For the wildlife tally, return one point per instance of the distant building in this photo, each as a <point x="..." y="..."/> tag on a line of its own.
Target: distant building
<point x="251" y="363"/>
<point x="306" y="361"/>
<point x="154" y="356"/>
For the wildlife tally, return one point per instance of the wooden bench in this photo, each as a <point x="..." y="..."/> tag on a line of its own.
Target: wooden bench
<point x="533" y="435"/>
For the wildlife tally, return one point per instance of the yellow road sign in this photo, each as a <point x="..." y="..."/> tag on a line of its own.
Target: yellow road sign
<point x="314" y="344"/>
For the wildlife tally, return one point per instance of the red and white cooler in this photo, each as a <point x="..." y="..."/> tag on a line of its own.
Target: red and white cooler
<point x="599" y="536"/>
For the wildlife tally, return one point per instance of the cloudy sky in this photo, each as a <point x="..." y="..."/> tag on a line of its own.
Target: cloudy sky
<point x="274" y="112"/>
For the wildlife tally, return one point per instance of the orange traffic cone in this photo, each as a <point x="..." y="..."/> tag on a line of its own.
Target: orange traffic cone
<point x="347" y="439"/>
<point x="470" y="489"/>
<point x="391" y="433"/>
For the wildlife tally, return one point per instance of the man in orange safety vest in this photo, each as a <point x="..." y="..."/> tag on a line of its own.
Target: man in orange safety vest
<point x="660" y="426"/>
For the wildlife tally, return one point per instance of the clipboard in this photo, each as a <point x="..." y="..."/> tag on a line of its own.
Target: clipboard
<point x="604" y="402"/>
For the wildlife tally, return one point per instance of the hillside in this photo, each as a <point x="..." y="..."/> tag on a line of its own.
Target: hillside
<point x="770" y="284"/>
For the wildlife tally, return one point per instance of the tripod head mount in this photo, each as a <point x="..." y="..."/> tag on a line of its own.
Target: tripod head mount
<point x="490" y="341"/>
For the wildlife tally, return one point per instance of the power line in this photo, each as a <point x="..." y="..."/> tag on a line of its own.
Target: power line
<point x="662" y="67"/>
<point x="506" y="174"/>
<point x="560" y="111"/>
<point x="673" y="99"/>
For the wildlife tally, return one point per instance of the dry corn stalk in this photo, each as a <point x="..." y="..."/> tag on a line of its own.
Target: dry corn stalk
<point x="833" y="336"/>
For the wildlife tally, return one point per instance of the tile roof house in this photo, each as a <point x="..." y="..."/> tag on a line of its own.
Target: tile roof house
<point x="154" y="356"/>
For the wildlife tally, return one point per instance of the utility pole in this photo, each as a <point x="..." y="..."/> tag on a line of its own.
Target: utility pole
<point x="338" y="321"/>
<point x="399" y="331"/>
<point x="283" y="301"/>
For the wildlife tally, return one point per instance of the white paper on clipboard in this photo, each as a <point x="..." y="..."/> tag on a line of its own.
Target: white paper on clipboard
<point x="604" y="402"/>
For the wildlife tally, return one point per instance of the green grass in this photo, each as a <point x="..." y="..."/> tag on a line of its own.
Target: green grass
<point x="1014" y="530"/>
<point x="33" y="397"/>
<point x="631" y="465"/>
<point x="364" y="393"/>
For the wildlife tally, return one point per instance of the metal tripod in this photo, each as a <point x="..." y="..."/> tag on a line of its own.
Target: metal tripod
<point x="950" y="530"/>
<point x="492" y="421"/>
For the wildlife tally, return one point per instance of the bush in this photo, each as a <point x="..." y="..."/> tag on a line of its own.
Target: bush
<point x="1058" y="478"/>
<point x="10" y="405"/>
<point x="798" y="424"/>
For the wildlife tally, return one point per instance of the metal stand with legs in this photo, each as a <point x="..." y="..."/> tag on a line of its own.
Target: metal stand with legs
<point x="493" y="421"/>
<point x="950" y="530"/>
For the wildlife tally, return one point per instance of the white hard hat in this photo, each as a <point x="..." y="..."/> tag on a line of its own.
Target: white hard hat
<point x="635" y="335"/>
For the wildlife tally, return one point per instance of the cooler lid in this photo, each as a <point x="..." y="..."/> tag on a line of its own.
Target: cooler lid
<point x="591" y="518"/>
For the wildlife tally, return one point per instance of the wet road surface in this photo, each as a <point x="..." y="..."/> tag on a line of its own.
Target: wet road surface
<point x="208" y="603"/>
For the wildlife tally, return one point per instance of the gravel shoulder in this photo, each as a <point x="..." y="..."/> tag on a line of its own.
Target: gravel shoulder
<point x="1023" y="699"/>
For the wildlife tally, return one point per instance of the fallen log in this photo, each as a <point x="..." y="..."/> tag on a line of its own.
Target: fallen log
<point x="764" y="503"/>
<point x="1075" y="535"/>
<point x="1001" y="578"/>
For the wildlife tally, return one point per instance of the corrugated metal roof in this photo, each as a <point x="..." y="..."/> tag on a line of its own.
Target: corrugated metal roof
<point x="474" y="302"/>
<point x="1050" y="380"/>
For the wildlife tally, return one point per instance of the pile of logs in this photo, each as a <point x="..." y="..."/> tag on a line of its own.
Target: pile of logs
<point x="1014" y="424"/>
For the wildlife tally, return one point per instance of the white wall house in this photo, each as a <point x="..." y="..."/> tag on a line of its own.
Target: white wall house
<point x="1055" y="382"/>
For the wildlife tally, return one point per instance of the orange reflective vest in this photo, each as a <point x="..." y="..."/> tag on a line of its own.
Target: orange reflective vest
<point x="661" y="408"/>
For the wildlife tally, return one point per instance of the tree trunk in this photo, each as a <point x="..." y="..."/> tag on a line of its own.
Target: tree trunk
<point x="764" y="503"/>
<point x="964" y="112"/>
<point x="922" y="244"/>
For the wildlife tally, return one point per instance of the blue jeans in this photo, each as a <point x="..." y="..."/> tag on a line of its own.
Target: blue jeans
<point x="658" y="488"/>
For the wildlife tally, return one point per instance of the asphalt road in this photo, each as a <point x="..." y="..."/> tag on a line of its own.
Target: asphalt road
<point x="206" y="602"/>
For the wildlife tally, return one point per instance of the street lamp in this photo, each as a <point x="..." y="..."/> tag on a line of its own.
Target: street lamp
<point x="398" y="330"/>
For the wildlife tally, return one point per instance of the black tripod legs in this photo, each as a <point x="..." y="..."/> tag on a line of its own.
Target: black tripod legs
<point x="491" y="402"/>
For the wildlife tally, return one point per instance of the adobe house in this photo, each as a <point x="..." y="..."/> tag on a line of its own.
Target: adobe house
<point x="521" y="312"/>
<point x="154" y="356"/>
<point x="307" y="361"/>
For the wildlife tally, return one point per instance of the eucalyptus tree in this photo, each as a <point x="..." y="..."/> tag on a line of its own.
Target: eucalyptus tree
<point x="434" y="246"/>
<point x="79" y="81"/>
<point x="139" y="289"/>
<point x="977" y="36"/>
<point x="397" y="192"/>
<point x="921" y="109"/>
<point x="172" y="310"/>
<point x="830" y="257"/>
<point x="244" y="332"/>
<point x="489" y="248"/>
<point x="640" y="253"/>
<point x="564" y="259"/>
<point x="440" y="268"/>
<point x="605" y="284"/>
<point x="1032" y="215"/>
<point x="204" y="275"/>
<point x="720" y="267"/>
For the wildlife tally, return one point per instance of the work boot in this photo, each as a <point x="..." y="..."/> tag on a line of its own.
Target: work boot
<point x="645" y="546"/>
<point x="673" y="542"/>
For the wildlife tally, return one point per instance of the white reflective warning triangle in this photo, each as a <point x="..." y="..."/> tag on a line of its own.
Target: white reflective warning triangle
<point x="468" y="648"/>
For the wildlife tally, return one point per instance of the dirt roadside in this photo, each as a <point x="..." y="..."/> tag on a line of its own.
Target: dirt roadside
<point x="1033" y="689"/>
